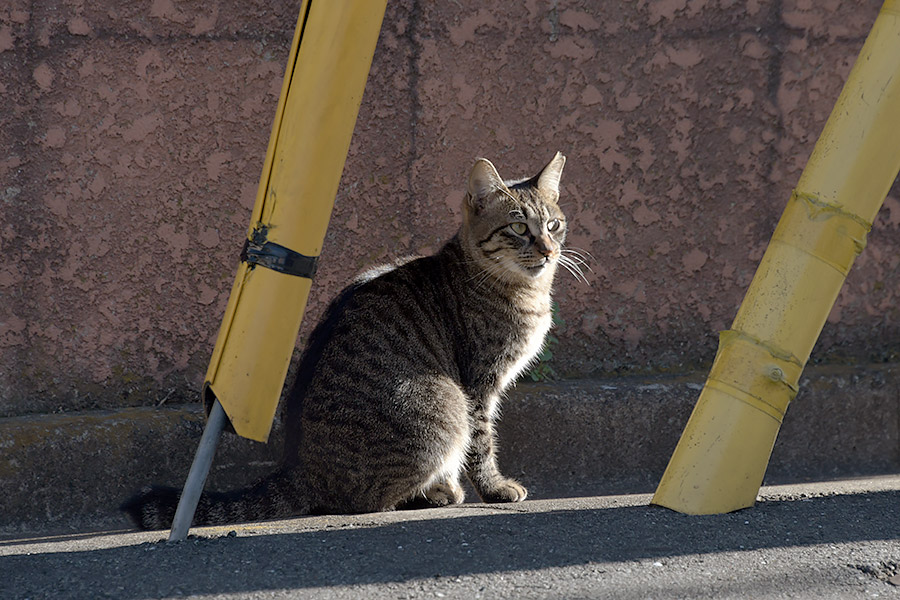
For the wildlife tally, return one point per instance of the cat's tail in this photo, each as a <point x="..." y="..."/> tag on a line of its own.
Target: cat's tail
<point x="276" y="496"/>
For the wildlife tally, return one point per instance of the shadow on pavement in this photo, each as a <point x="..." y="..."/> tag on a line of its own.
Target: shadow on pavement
<point x="401" y="551"/>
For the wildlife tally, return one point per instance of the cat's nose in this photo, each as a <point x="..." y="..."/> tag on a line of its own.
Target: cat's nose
<point x="545" y="245"/>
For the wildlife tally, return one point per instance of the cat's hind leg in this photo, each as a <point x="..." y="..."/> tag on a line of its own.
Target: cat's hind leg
<point x="405" y="448"/>
<point x="448" y="455"/>
<point x="442" y="494"/>
<point x="441" y="441"/>
<point x="439" y="494"/>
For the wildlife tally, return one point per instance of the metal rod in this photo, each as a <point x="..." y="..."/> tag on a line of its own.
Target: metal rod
<point x="196" y="478"/>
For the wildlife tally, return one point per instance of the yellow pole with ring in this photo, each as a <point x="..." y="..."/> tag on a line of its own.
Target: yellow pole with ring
<point x="721" y="458"/>
<point x="328" y="65"/>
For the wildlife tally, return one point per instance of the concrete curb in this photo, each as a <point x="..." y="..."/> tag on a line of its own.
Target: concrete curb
<point x="568" y="438"/>
<point x="616" y="436"/>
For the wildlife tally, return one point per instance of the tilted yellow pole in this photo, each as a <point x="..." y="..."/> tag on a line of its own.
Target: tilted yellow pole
<point x="719" y="462"/>
<point x="328" y="65"/>
<point x="326" y="74"/>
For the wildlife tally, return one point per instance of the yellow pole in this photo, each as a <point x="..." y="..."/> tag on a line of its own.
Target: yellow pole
<point x="330" y="57"/>
<point x="719" y="462"/>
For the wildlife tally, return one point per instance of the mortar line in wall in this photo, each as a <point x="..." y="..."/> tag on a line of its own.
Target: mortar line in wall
<point x="704" y="34"/>
<point x="775" y="37"/>
<point x="415" y="104"/>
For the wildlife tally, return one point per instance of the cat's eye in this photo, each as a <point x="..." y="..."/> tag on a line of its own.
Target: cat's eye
<point x="518" y="228"/>
<point x="553" y="225"/>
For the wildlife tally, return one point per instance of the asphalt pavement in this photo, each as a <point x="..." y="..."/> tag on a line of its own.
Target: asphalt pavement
<point x="838" y="539"/>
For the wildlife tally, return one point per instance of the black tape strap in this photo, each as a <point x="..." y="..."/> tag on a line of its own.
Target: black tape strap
<point x="278" y="258"/>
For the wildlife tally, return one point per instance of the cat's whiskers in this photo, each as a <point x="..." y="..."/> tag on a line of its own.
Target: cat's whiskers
<point x="579" y="257"/>
<point x="576" y="258"/>
<point x="573" y="266"/>
<point x="580" y="253"/>
<point x="492" y="271"/>
<point x="577" y="274"/>
<point x="494" y="276"/>
<point x="485" y="274"/>
<point x="580" y="262"/>
<point x="473" y="261"/>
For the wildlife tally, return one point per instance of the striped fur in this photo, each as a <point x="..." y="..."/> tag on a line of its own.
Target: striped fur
<point x="399" y="387"/>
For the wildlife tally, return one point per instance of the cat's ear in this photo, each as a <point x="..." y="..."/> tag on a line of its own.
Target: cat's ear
<point x="548" y="180"/>
<point x="483" y="181"/>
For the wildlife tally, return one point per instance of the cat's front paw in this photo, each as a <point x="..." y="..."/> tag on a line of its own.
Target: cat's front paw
<point x="504" y="490"/>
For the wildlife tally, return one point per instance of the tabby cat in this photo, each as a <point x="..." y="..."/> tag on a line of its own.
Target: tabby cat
<point x="398" y="390"/>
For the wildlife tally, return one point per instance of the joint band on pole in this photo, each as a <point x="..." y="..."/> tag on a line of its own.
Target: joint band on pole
<point x="279" y="258"/>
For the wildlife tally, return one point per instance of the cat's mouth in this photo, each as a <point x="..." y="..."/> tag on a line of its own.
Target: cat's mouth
<point x="536" y="268"/>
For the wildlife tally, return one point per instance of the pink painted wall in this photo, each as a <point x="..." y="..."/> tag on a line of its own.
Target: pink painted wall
<point x="132" y="136"/>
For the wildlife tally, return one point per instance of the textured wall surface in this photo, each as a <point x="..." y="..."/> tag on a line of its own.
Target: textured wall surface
<point x="132" y="136"/>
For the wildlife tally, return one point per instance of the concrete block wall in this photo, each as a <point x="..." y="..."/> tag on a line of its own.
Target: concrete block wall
<point x="132" y="137"/>
<point x="131" y="140"/>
